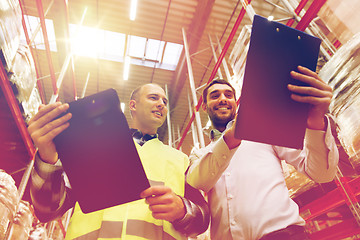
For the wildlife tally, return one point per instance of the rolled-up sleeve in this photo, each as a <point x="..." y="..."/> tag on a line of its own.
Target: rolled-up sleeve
<point x="48" y="192"/>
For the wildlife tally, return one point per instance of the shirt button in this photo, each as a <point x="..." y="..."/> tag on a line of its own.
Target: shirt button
<point x="224" y="156"/>
<point x="230" y="196"/>
<point x="233" y="222"/>
<point x="227" y="174"/>
<point x="212" y="174"/>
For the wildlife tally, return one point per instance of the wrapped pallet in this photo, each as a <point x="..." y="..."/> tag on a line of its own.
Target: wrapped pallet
<point x="10" y="29"/>
<point x="9" y="199"/>
<point x="22" y="73"/>
<point x="38" y="232"/>
<point x="23" y="77"/>
<point x="342" y="72"/>
<point x="22" y="222"/>
<point x="296" y="182"/>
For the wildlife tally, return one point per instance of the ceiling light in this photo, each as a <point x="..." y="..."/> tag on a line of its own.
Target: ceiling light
<point x="270" y="18"/>
<point x="133" y="9"/>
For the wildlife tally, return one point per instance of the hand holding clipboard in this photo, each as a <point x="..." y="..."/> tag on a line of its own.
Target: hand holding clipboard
<point x="268" y="112"/>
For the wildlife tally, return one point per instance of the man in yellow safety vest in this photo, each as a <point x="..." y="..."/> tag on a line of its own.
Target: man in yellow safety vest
<point x="169" y="210"/>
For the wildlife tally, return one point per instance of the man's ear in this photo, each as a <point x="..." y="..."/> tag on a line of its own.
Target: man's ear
<point x="203" y="106"/>
<point x="132" y="105"/>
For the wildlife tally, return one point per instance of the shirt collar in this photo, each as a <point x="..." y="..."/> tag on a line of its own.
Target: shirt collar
<point x="140" y="137"/>
<point x="216" y="134"/>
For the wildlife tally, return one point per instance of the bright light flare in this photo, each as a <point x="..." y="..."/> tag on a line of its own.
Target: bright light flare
<point x="87" y="42"/>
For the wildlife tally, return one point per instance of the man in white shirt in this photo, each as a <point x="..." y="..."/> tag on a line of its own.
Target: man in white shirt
<point x="246" y="188"/>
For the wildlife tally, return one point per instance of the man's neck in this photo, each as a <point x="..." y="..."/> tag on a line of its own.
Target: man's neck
<point x="220" y="128"/>
<point x="146" y="131"/>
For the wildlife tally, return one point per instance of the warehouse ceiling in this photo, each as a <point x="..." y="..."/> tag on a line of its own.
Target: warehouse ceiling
<point x="155" y="20"/>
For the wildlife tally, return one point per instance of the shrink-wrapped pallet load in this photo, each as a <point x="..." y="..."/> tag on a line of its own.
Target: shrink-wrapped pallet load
<point x="342" y="72"/>
<point x="10" y="30"/>
<point x="38" y="232"/>
<point x="22" y="222"/>
<point x="9" y="199"/>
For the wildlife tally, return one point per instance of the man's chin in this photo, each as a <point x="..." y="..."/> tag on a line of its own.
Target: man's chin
<point x="221" y="122"/>
<point x="223" y="118"/>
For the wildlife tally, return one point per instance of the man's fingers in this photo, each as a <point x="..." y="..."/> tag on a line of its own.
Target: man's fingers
<point x="47" y="135"/>
<point x="44" y="109"/>
<point x="311" y="78"/>
<point x="46" y="115"/>
<point x="154" y="191"/>
<point x="309" y="91"/>
<point x="159" y="208"/>
<point x="312" y="81"/>
<point x="308" y="72"/>
<point x="311" y="99"/>
<point x="42" y="127"/>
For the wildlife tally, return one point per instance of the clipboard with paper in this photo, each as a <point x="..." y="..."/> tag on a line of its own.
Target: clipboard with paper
<point x="266" y="112"/>
<point x="98" y="154"/>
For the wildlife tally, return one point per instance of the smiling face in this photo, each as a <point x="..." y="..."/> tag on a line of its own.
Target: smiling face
<point x="220" y="105"/>
<point x="149" y="108"/>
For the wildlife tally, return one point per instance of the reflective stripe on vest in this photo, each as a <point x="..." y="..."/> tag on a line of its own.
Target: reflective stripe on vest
<point x="109" y="229"/>
<point x="146" y="230"/>
<point x="137" y="228"/>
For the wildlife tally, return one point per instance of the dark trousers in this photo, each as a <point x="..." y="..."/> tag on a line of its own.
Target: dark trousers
<point x="292" y="232"/>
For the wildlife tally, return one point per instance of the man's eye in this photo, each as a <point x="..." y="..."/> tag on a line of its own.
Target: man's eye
<point x="214" y="96"/>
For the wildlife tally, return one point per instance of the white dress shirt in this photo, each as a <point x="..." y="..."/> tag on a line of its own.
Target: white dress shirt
<point x="246" y="188"/>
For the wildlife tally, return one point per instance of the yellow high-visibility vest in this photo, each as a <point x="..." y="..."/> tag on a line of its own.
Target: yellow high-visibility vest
<point x="162" y="165"/>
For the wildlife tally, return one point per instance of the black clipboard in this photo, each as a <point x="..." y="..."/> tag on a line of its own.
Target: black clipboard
<point x="266" y="112"/>
<point x="98" y="154"/>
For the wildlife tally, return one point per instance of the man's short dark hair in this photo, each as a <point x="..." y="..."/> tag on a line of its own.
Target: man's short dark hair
<point x="216" y="81"/>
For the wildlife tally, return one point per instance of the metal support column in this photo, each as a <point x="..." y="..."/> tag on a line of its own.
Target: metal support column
<point x="47" y="45"/>
<point x="214" y="55"/>
<point x="29" y="41"/>
<point x="64" y="68"/>
<point x="15" y="111"/>
<point x="21" y="190"/>
<point x="225" y="66"/>
<point x="310" y="14"/>
<point x="352" y="201"/>
<point x="72" y="68"/>
<point x="248" y="8"/>
<point x="85" y="87"/>
<point x="173" y="133"/>
<point x="297" y="12"/>
<point x="193" y="131"/>
<point x="170" y="142"/>
<point x="193" y="91"/>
